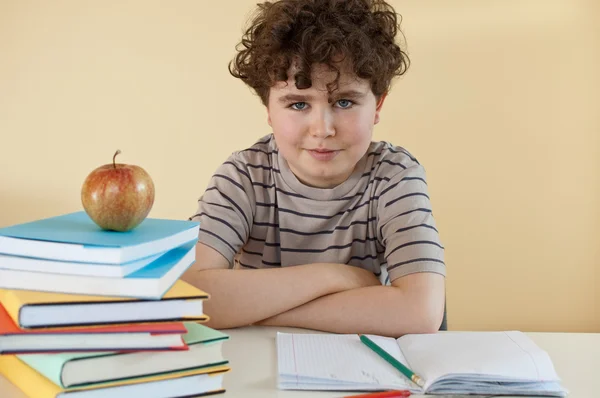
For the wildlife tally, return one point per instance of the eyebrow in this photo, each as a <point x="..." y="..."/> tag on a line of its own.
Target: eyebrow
<point x="304" y="98"/>
<point x="295" y="98"/>
<point x="348" y="94"/>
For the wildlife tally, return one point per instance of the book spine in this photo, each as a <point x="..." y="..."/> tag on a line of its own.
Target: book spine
<point x="11" y="305"/>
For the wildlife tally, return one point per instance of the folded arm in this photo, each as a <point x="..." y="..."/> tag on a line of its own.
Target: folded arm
<point x="413" y="304"/>
<point x="243" y="297"/>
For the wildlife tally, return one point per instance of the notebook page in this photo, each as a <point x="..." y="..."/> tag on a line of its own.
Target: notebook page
<point x="505" y="355"/>
<point x="337" y="359"/>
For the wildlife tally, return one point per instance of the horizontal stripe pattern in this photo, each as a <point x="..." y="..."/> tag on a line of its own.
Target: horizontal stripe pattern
<point x="258" y="215"/>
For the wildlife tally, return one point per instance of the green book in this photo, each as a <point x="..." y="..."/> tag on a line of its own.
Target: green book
<point x="82" y="369"/>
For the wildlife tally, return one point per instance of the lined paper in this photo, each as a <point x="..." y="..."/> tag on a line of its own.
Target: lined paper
<point x="505" y="356"/>
<point x="337" y="361"/>
<point x="493" y="363"/>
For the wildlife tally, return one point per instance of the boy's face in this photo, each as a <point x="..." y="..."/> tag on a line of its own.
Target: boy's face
<point x="322" y="136"/>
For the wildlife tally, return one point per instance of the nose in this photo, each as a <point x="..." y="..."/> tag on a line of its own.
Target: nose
<point x="322" y="125"/>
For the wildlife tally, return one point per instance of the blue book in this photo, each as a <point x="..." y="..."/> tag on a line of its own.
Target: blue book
<point x="151" y="282"/>
<point x="75" y="237"/>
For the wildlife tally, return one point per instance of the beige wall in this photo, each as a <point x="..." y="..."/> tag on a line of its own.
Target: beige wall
<point x="501" y="105"/>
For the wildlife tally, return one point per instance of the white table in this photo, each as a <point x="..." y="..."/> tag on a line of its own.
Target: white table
<point x="252" y="355"/>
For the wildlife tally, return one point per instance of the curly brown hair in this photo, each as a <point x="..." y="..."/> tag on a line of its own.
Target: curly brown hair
<point x="358" y="33"/>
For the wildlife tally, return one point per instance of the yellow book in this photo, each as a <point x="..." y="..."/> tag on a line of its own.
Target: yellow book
<point x="34" y="385"/>
<point x="35" y="309"/>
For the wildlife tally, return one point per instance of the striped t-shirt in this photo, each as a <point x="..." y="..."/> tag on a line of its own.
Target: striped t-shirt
<point x="257" y="214"/>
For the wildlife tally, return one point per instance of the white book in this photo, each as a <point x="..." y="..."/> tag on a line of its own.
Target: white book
<point x="493" y="363"/>
<point x="86" y="342"/>
<point x="177" y="387"/>
<point x="151" y="282"/>
<point x="32" y="264"/>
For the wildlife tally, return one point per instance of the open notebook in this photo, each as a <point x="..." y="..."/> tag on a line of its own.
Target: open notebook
<point x="450" y="362"/>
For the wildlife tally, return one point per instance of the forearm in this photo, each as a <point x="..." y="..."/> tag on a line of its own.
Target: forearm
<point x="381" y="310"/>
<point x="243" y="297"/>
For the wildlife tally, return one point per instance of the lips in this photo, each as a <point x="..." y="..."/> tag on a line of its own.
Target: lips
<point x="323" y="154"/>
<point x="321" y="150"/>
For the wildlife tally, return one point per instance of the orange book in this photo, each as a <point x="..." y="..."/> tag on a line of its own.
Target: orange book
<point x="34" y="309"/>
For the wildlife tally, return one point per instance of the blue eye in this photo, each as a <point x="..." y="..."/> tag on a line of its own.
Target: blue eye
<point x="344" y="103"/>
<point x="299" y="106"/>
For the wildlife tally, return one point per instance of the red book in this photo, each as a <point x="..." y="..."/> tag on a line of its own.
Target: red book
<point x="138" y="337"/>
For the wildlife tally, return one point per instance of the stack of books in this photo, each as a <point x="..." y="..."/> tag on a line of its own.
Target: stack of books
<point x="86" y="312"/>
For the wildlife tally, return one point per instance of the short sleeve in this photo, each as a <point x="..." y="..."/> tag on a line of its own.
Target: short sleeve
<point x="225" y="210"/>
<point x="406" y="227"/>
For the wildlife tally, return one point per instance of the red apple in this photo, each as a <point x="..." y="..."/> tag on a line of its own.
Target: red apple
<point x="118" y="197"/>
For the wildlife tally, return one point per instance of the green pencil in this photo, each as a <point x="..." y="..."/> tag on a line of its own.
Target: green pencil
<point x="392" y="361"/>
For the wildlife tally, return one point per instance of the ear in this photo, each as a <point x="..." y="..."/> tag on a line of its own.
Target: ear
<point x="269" y="117"/>
<point x="378" y="107"/>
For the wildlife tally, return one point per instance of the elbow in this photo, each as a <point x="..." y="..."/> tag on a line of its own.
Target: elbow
<point x="430" y="324"/>
<point x="426" y="317"/>
<point x="430" y="316"/>
<point x="423" y="296"/>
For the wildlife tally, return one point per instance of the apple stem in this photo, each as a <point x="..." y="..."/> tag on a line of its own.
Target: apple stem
<point x="114" y="156"/>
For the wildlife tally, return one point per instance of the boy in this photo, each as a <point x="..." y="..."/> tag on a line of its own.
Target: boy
<point x="297" y="230"/>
